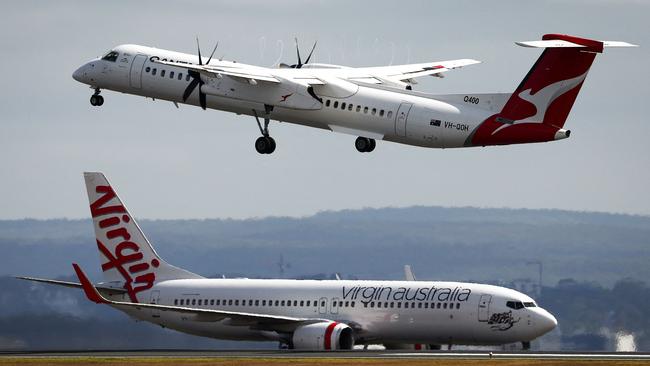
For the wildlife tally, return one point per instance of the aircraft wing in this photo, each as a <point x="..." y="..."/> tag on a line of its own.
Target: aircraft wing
<point x="401" y="73"/>
<point x="251" y="76"/>
<point x="235" y="318"/>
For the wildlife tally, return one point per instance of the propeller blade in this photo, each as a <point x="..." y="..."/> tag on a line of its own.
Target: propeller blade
<point x="202" y="100"/>
<point x="299" y="65"/>
<point x="310" y="53"/>
<point x="190" y="87"/>
<point x="212" y="54"/>
<point x="199" y="49"/>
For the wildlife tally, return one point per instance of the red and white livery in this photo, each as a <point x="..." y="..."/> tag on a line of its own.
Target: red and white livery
<point x="374" y="103"/>
<point x="301" y="314"/>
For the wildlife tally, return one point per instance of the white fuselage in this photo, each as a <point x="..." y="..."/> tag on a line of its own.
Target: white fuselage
<point x="353" y="108"/>
<point x="380" y="311"/>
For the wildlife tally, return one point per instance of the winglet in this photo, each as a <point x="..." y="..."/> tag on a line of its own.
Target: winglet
<point x="91" y="292"/>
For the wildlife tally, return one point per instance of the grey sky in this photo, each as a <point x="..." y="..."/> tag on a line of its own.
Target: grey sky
<point x="189" y="163"/>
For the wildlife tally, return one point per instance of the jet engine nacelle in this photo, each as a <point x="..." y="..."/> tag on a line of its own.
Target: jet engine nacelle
<point x="323" y="336"/>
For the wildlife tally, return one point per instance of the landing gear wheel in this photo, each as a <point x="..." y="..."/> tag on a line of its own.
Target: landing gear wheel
<point x="364" y="144"/>
<point x="265" y="145"/>
<point x="96" y="100"/>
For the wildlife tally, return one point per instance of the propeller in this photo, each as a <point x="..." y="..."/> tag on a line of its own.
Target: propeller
<point x="300" y="63"/>
<point x="196" y="77"/>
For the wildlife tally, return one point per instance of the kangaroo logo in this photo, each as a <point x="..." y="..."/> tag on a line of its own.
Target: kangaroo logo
<point x="543" y="98"/>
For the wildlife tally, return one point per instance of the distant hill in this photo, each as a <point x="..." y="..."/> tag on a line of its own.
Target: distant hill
<point x="441" y="243"/>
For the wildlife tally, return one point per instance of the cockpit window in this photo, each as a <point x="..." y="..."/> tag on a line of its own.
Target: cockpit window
<point x="111" y="56"/>
<point x="530" y="304"/>
<point x="515" y="305"/>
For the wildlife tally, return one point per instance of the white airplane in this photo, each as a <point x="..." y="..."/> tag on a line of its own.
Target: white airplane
<point x="374" y="103"/>
<point x="301" y="314"/>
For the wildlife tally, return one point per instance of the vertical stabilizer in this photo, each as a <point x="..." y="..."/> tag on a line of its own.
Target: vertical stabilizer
<point x="127" y="258"/>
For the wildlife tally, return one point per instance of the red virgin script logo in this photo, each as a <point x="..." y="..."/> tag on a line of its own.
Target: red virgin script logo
<point x="127" y="259"/>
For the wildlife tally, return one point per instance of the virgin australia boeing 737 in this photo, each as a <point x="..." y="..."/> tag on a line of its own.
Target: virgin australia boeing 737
<point x="302" y="314"/>
<point x="374" y="103"/>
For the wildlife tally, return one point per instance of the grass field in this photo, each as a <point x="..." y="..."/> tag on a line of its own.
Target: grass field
<point x="236" y="361"/>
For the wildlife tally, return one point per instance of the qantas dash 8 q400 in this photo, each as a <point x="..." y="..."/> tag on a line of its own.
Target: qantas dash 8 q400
<point x="374" y="103"/>
<point x="302" y="314"/>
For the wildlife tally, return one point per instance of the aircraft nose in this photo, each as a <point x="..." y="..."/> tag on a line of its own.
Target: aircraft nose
<point x="78" y="74"/>
<point x="547" y="322"/>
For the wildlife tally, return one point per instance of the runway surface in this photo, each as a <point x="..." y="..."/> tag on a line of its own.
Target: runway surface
<point x="285" y="354"/>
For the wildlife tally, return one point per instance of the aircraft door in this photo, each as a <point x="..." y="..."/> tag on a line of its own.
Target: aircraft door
<point x="322" y="305"/>
<point x="136" y="71"/>
<point x="334" y="307"/>
<point x="155" y="299"/>
<point x="484" y="308"/>
<point x="401" y="117"/>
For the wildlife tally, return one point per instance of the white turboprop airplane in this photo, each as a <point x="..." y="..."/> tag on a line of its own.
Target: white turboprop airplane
<point x="302" y="314"/>
<point x="374" y="103"/>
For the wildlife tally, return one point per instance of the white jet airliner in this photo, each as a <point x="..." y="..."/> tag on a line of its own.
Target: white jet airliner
<point x="301" y="314"/>
<point x="374" y="103"/>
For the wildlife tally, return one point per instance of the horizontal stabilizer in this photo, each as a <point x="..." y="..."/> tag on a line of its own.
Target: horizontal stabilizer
<point x="558" y="43"/>
<point x="71" y="284"/>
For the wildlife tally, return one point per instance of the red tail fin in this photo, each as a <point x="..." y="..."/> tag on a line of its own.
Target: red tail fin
<point x="540" y="105"/>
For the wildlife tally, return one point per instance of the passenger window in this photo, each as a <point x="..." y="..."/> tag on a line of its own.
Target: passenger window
<point x="153" y="72"/>
<point x="419" y="305"/>
<point x="336" y="104"/>
<point x="147" y="69"/>
<point x="111" y="56"/>
<point x="182" y="302"/>
<point x="263" y="302"/>
<point x="211" y="302"/>
<point x="162" y="73"/>
<point x="352" y="304"/>
<point x="171" y="74"/>
<point x="193" y="301"/>
<point x="365" y="109"/>
<point x="322" y="303"/>
<point x="187" y="77"/>
<point x="343" y="105"/>
<point x="175" y="301"/>
<point x="390" y="114"/>
<point x="277" y="302"/>
<point x="347" y="303"/>
<point x="350" y="107"/>
<point x="438" y="305"/>
<point x="257" y="302"/>
<point x="307" y="302"/>
<point x="180" y="76"/>
<point x="381" y="113"/>
<point x="392" y="305"/>
<point x="218" y="301"/>
<point x="374" y="111"/>
<point x="378" y="304"/>
<point x="230" y="302"/>
<point x="295" y="302"/>
<point x="426" y="305"/>
<point x="444" y="306"/>
<point x="457" y="305"/>
<point x="358" y="108"/>
<point x="340" y="303"/>
<point x="327" y="103"/>
<point x="282" y="303"/>
<point x="199" y="302"/>
<point x="399" y="305"/>
<point x="302" y="302"/>
<point x="236" y="302"/>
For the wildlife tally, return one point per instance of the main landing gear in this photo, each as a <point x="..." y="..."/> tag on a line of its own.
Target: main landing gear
<point x="264" y="144"/>
<point x="364" y="144"/>
<point x="96" y="99"/>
